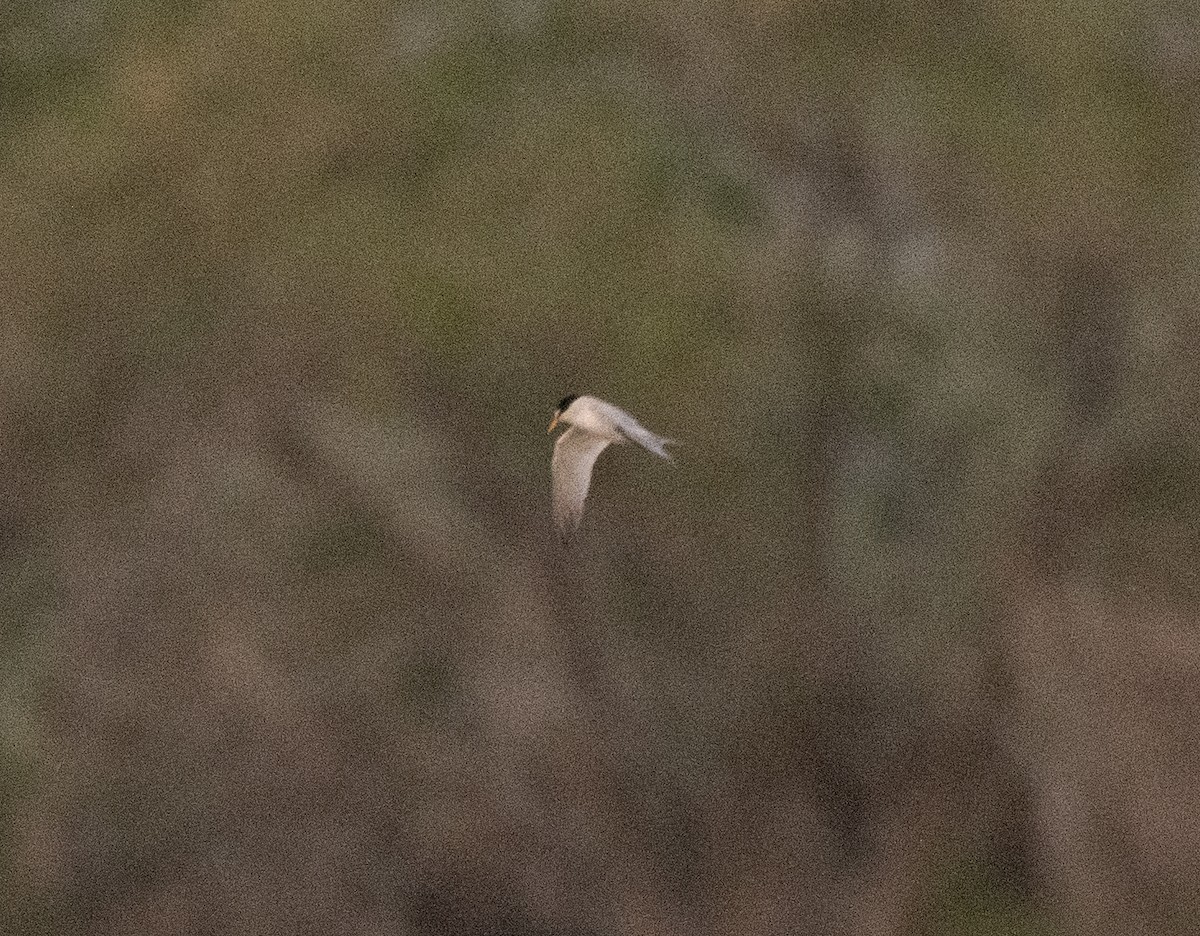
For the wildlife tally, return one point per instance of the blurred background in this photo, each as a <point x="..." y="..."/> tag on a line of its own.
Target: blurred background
<point x="906" y="641"/>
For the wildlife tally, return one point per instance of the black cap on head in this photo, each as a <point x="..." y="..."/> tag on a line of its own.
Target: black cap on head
<point x="567" y="401"/>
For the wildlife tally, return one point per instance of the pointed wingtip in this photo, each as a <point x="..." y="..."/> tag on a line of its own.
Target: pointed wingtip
<point x="566" y="531"/>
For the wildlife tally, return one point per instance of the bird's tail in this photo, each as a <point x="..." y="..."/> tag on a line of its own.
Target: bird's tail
<point x="648" y="440"/>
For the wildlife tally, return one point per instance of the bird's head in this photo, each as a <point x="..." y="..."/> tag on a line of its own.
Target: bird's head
<point x="563" y="405"/>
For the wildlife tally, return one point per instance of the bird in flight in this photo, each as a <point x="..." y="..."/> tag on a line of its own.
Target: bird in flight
<point x="593" y="426"/>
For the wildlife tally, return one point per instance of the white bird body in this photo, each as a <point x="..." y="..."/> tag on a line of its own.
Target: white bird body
<point x="594" y="425"/>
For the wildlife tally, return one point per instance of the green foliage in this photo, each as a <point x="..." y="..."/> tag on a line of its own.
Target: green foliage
<point x="861" y="259"/>
<point x="972" y="903"/>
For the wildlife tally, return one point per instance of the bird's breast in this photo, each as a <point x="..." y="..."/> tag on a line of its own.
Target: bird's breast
<point x="595" y="424"/>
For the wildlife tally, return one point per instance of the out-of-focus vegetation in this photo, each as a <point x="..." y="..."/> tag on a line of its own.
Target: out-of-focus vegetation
<point x="905" y="643"/>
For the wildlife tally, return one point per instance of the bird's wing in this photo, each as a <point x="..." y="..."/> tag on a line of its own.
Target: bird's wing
<point x="633" y="430"/>
<point x="571" y="474"/>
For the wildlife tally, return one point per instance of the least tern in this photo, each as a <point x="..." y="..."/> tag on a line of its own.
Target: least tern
<point x="594" y="425"/>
